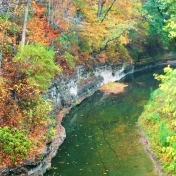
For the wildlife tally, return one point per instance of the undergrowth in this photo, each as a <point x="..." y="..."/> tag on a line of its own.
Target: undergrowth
<point x="158" y="121"/>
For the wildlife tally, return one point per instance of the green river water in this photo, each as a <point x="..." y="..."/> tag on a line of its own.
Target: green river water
<point x="102" y="137"/>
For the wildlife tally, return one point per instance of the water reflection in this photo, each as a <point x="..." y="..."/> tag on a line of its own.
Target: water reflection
<point x="102" y="138"/>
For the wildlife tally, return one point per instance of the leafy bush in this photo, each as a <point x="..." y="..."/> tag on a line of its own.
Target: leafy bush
<point x="37" y="64"/>
<point x="14" y="143"/>
<point x="70" y="59"/>
<point x="163" y="134"/>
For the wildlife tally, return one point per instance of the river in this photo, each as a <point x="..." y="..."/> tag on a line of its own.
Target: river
<point x="102" y="137"/>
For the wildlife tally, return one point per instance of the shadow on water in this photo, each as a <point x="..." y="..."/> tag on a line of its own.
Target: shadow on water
<point x="102" y="138"/>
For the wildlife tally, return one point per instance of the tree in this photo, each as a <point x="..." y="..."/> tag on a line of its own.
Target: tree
<point x="97" y="25"/>
<point x="169" y="10"/>
<point x="25" y="23"/>
<point x="155" y="19"/>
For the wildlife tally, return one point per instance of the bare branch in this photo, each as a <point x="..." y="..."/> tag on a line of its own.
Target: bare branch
<point x="108" y="10"/>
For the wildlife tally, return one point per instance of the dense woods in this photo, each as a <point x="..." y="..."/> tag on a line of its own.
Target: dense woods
<point x="40" y="39"/>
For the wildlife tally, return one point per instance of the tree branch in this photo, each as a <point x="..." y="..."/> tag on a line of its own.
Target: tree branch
<point x="108" y="10"/>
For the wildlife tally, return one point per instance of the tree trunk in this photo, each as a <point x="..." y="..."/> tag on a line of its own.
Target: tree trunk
<point x="99" y="8"/>
<point x="25" y="23"/>
<point x="49" y="6"/>
<point x="0" y="58"/>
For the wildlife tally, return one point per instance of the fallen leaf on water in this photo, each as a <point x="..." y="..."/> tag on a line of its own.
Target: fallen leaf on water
<point x="113" y="87"/>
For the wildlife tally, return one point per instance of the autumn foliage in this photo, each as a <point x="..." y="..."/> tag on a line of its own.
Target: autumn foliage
<point x="59" y="35"/>
<point x="25" y="74"/>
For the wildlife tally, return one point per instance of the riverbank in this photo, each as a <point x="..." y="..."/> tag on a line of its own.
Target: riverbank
<point x="102" y="132"/>
<point x="158" y="123"/>
<point x="66" y="92"/>
<point x="146" y="143"/>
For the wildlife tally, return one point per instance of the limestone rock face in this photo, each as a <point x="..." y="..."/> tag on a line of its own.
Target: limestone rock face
<point x="66" y="92"/>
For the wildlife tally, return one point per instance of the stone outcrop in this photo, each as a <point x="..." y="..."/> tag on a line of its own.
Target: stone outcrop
<point x="69" y="91"/>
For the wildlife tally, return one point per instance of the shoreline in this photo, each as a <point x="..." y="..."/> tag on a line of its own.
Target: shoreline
<point x="146" y="144"/>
